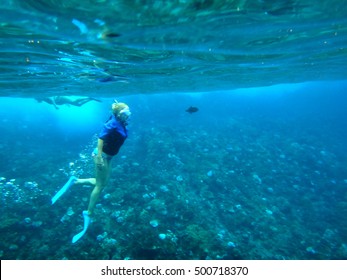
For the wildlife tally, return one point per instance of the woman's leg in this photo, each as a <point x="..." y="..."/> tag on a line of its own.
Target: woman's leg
<point x="89" y="181"/>
<point x="101" y="179"/>
<point x="81" y="101"/>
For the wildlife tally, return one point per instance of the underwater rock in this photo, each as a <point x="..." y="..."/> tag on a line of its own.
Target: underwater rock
<point x="30" y="185"/>
<point x="13" y="247"/>
<point x="70" y="212"/>
<point x="37" y="224"/>
<point x="164" y="188"/>
<point x="221" y="234"/>
<point x="101" y="237"/>
<point x="342" y="249"/>
<point x="231" y="244"/>
<point x="65" y="218"/>
<point x="329" y="235"/>
<point x="149" y="195"/>
<point x="270" y="190"/>
<point x="310" y="250"/>
<point x="106" y="242"/>
<point x="119" y="216"/>
<point x="257" y="178"/>
<point x="154" y="223"/>
<point x="179" y="178"/>
<point x="158" y="206"/>
<point x="110" y="242"/>
<point x="162" y="236"/>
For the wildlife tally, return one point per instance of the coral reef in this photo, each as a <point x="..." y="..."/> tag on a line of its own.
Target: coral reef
<point x="245" y="192"/>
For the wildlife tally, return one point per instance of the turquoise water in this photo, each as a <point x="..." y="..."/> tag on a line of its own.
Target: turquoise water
<point x="258" y="172"/>
<point x="104" y="47"/>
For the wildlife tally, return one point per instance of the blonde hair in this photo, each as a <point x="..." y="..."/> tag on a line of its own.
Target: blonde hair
<point x="118" y="107"/>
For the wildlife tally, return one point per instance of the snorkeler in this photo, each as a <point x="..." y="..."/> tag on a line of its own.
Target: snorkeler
<point x="66" y="100"/>
<point x="110" y="140"/>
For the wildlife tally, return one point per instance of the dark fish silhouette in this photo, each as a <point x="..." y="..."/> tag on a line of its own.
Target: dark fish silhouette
<point x="192" y="109"/>
<point x="111" y="35"/>
<point x="112" y="78"/>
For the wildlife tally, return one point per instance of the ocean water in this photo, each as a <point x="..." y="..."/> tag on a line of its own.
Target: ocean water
<point x="258" y="172"/>
<point x="108" y="47"/>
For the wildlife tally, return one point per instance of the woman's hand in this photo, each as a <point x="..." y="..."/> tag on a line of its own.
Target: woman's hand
<point x="99" y="161"/>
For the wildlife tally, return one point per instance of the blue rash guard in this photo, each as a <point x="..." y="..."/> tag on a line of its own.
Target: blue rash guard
<point x="113" y="134"/>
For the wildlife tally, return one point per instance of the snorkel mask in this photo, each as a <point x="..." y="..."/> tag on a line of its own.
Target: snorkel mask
<point x="124" y="114"/>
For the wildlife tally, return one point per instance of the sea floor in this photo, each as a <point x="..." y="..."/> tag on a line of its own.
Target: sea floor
<point x="241" y="192"/>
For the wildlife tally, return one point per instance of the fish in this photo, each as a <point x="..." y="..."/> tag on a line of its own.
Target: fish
<point x="112" y="78"/>
<point x="192" y="109"/>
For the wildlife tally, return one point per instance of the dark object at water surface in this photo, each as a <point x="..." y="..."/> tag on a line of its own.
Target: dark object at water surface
<point x="192" y="109"/>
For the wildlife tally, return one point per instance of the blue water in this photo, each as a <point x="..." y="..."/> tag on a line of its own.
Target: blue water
<point x="120" y="47"/>
<point x="254" y="174"/>
<point x="258" y="172"/>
